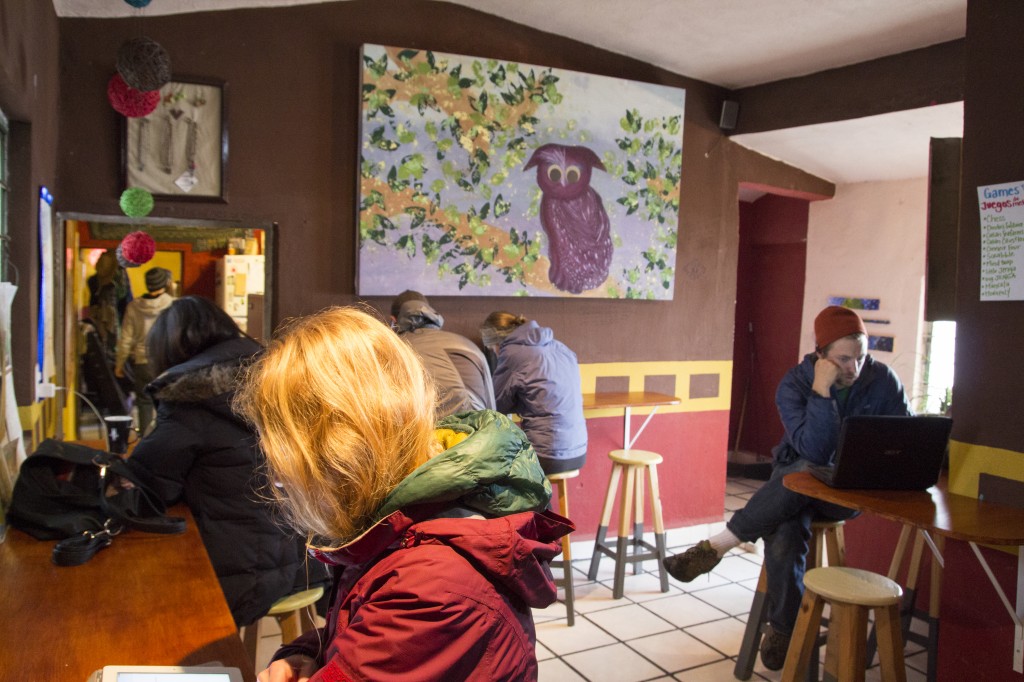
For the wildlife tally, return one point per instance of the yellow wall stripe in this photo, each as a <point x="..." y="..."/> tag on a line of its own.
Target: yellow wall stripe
<point x="636" y="372"/>
<point x="967" y="461"/>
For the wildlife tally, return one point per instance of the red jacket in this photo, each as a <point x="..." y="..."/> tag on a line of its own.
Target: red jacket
<point x="437" y="599"/>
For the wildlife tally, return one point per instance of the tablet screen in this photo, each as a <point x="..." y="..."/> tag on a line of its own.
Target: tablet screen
<point x="168" y="673"/>
<point x="173" y="677"/>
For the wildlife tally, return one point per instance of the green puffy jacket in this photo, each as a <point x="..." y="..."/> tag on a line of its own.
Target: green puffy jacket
<point x="493" y="471"/>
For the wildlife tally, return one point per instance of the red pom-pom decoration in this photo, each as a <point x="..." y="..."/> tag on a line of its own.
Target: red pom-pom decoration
<point x="128" y="101"/>
<point x="135" y="249"/>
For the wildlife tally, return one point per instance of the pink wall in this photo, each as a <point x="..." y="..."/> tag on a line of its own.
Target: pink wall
<point x="869" y="241"/>
<point x="692" y="477"/>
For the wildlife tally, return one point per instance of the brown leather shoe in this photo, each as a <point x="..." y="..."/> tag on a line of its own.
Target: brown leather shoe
<point x="773" y="648"/>
<point x="697" y="560"/>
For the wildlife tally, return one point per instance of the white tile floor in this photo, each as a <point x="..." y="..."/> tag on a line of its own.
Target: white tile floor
<point x="692" y="632"/>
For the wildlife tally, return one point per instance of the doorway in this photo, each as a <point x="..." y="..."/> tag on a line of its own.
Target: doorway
<point x="771" y="270"/>
<point x="227" y="262"/>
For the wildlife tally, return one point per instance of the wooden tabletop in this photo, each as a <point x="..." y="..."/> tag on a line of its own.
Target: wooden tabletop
<point x="608" y="400"/>
<point x="145" y="600"/>
<point x="936" y="509"/>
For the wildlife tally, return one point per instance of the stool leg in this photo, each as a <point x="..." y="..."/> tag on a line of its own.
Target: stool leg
<point x="850" y="625"/>
<point x="805" y="638"/>
<point x="890" y="644"/>
<point x="563" y="509"/>
<point x="836" y="546"/>
<point x="659" y="527"/>
<point x="622" y="546"/>
<point x="752" y="633"/>
<point x="909" y="590"/>
<point x="638" y="520"/>
<point x="606" y="517"/>
<point x="933" y="611"/>
<point x="291" y="626"/>
<point x="250" y="639"/>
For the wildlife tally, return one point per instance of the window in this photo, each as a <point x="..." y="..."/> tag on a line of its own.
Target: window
<point x="939" y="372"/>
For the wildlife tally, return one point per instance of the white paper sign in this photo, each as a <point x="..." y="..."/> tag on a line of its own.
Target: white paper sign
<point x="1002" y="241"/>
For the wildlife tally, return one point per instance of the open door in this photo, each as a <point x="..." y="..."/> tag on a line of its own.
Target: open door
<point x="226" y="262"/>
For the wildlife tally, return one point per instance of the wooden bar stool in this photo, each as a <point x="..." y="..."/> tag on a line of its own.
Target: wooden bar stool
<point x="909" y="610"/>
<point x="826" y="541"/>
<point x="637" y="465"/>
<point x="559" y="481"/>
<point x="850" y="593"/>
<point x="293" y="613"/>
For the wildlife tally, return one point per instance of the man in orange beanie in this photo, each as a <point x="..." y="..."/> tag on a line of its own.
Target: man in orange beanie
<point x="837" y="380"/>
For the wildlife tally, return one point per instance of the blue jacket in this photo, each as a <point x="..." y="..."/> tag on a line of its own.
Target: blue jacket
<point x="812" y="422"/>
<point x="538" y="378"/>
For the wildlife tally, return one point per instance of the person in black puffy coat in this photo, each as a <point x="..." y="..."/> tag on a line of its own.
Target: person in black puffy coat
<point x="204" y="453"/>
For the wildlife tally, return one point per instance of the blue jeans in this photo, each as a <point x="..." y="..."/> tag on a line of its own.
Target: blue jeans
<point x="783" y="518"/>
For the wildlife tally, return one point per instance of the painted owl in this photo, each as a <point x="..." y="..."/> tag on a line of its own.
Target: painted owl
<point x="573" y="217"/>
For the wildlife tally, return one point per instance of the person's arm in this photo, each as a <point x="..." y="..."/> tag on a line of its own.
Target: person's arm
<point x="470" y="363"/>
<point x="163" y="458"/>
<point x="296" y="661"/>
<point x="810" y="420"/>
<point x="506" y="387"/>
<point x="896" y="403"/>
<point x="125" y="342"/>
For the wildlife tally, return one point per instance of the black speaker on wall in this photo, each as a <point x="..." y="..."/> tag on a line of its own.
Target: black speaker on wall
<point x="730" y="110"/>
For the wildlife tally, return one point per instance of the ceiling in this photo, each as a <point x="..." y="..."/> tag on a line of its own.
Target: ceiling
<point x="735" y="44"/>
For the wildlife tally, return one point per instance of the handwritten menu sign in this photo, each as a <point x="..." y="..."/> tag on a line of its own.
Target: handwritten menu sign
<point x="1002" y="241"/>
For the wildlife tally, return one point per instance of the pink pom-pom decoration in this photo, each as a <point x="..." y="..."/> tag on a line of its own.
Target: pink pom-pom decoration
<point x="128" y="101"/>
<point x="136" y="248"/>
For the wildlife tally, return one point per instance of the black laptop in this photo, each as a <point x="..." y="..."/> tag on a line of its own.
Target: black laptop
<point x="887" y="453"/>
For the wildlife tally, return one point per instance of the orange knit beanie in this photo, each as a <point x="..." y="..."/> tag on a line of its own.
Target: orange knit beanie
<point x="835" y="322"/>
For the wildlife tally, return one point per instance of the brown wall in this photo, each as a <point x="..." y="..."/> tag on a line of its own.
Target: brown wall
<point x="910" y="80"/>
<point x="29" y="88"/>
<point x="293" y="85"/>
<point x="989" y="370"/>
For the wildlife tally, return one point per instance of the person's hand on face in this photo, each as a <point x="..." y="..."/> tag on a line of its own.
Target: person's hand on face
<point x="826" y="373"/>
<point x="840" y="366"/>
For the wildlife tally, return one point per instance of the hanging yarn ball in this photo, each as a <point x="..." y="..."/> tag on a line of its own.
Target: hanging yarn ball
<point x="128" y="101"/>
<point x="144" y="64"/>
<point x="136" y="202"/>
<point x="135" y="249"/>
<point x="138" y="3"/>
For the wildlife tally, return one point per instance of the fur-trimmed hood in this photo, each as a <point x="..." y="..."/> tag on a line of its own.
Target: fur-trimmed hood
<point x="208" y="376"/>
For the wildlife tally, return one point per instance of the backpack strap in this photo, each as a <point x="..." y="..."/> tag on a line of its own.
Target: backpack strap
<point x="78" y="549"/>
<point x="158" y="522"/>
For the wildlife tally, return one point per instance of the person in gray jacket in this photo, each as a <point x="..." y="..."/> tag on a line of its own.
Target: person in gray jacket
<point x="538" y="378"/>
<point x="455" y="364"/>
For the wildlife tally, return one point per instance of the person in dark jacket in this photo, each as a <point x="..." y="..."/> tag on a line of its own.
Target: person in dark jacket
<point x="440" y="536"/>
<point x="838" y="380"/>
<point x="538" y="378"/>
<point x="202" y="452"/>
<point x="458" y="368"/>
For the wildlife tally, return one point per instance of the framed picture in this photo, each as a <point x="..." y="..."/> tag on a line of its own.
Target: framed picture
<point x="180" y="150"/>
<point x="485" y="177"/>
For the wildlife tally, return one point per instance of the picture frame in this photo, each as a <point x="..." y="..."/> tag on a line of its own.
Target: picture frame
<point x="180" y="150"/>
<point x="486" y="177"/>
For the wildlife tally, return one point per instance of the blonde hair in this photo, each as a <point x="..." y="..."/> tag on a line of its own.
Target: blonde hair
<point x="344" y="411"/>
<point x="497" y="326"/>
<point x="502" y="320"/>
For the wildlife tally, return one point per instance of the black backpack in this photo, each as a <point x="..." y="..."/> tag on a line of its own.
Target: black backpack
<point x="61" y="494"/>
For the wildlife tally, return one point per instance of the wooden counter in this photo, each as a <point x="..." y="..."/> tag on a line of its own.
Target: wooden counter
<point x="145" y="600"/>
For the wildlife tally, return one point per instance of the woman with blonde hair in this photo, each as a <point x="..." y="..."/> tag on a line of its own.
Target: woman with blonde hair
<point x="439" y="536"/>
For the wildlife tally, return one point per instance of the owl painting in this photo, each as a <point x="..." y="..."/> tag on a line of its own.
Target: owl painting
<point x="573" y="217"/>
